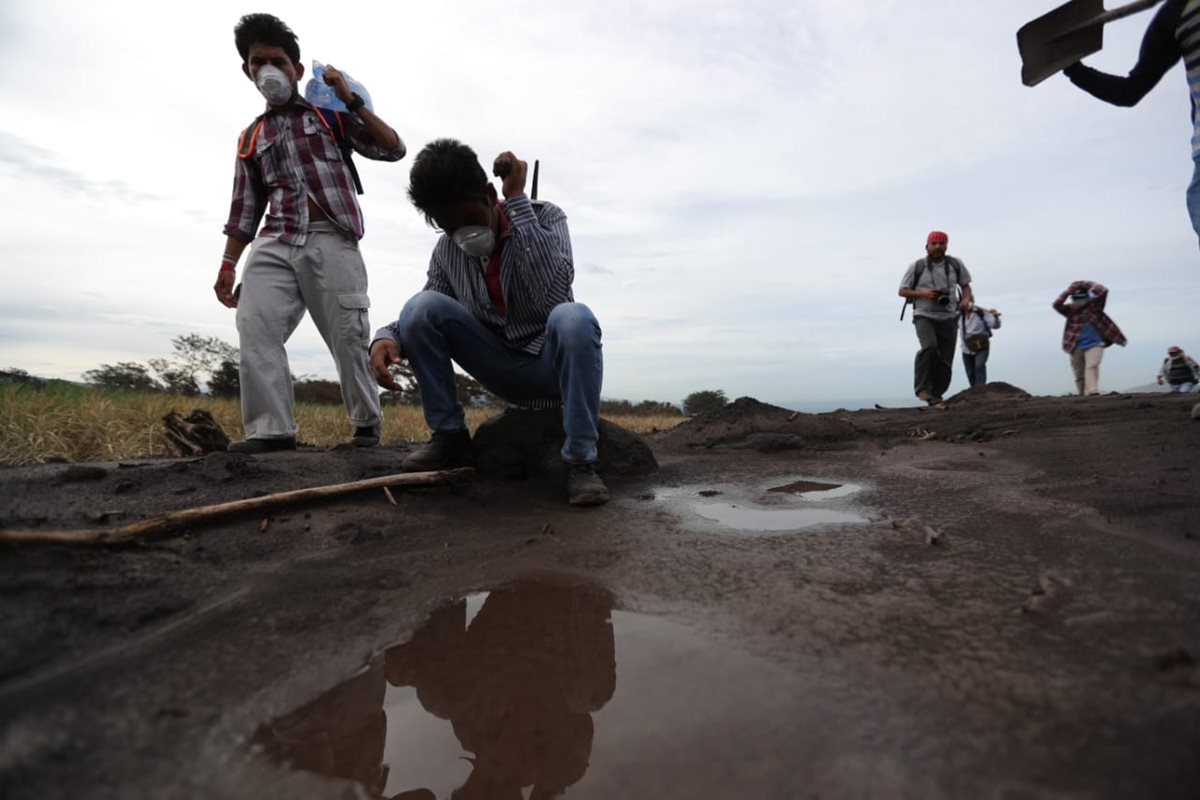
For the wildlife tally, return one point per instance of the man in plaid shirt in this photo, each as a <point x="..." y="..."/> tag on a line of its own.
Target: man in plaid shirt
<point x="291" y="167"/>
<point x="1087" y="332"/>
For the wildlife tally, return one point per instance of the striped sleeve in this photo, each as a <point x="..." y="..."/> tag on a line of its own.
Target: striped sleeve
<point x="435" y="278"/>
<point x="542" y="264"/>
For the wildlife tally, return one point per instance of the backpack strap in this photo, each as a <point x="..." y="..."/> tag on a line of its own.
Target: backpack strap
<point x="954" y="262"/>
<point x="249" y="137"/>
<point x="918" y="268"/>
<point x="334" y="122"/>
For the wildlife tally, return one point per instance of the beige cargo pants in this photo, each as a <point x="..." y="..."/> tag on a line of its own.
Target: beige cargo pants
<point x="327" y="277"/>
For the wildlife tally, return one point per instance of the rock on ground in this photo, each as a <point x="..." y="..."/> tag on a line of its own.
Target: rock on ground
<point x="521" y="444"/>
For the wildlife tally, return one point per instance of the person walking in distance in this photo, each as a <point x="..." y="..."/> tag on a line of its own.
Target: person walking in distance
<point x="939" y="288"/>
<point x="976" y="326"/>
<point x="1087" y="332"/>
<point x="1179" y="371"/>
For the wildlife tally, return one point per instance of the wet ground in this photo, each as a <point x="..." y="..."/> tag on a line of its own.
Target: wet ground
<point x="1001" y="599"/>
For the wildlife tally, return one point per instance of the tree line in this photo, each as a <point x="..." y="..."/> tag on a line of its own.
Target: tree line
<point x="208" y="365"/>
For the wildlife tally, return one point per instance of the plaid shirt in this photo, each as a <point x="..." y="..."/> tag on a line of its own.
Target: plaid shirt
<point x="296" y="157"/>
<point x="1092" y="311"/>
<point x="536" y="273"/>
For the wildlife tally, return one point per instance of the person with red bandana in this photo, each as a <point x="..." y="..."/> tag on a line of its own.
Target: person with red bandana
<point x="939" y="288"/>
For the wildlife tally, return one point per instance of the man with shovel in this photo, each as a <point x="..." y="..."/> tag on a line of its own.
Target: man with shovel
<point x="1173" y="34"/>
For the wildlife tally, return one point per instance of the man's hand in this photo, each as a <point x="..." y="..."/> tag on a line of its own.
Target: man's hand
<point x="929" y="294"/>
<point x="334" y="78"/>
<point x="384" y="353"/>
<point x="224" y="288"/>
<point x="1160" y="380"/>
<point x="513" y="171"/>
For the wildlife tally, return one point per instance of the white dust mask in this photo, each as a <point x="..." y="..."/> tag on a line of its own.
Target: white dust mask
<point x="273" y="84"/>
<point x="477" y="241"/>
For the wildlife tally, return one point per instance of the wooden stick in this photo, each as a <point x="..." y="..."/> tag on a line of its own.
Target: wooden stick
<point x="174" y="520"/>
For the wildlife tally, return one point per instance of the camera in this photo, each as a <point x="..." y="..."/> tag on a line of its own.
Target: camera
<point x="943" y="298"/>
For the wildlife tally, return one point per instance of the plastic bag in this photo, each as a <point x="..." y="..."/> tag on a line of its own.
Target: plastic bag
<point x="321" y="95"/>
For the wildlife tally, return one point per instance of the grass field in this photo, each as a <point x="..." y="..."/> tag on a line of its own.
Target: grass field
<point x="61" y="421"/>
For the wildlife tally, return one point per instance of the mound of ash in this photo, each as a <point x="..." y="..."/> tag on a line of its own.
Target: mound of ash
<point x="999" y="392"/>
<point x="748" y="423"/>
<point x="520" y="444"/>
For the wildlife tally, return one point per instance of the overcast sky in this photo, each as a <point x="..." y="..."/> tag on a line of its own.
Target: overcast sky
<point x="745" y="181"/>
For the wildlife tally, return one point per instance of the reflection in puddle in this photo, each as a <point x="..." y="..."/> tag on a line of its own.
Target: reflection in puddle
<point x="779" y="506"/>
<point x="513" y="695"/>
<point x="517" y="674"/>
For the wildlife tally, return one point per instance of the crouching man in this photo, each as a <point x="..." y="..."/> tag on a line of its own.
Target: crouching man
<point x="498" y="302"/>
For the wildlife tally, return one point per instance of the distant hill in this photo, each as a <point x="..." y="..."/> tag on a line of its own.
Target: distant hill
<point x="1145" y="387"/>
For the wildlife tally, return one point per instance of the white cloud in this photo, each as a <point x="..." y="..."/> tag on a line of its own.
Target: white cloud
<point x="745" y="181"/>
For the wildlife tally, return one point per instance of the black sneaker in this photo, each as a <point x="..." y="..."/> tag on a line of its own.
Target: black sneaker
<point x="446" y="450"/>
<point x="584" y="486"/>
<point x="365" y="436"/>
<point x="259" y="446"/>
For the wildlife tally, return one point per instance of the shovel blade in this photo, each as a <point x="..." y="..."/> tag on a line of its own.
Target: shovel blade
<point x="1059" y="39"/>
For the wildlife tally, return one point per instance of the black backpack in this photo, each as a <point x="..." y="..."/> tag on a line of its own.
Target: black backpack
<point x="331" y="119"/>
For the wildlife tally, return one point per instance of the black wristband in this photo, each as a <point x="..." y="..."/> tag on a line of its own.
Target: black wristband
<point x="355" y="103"/>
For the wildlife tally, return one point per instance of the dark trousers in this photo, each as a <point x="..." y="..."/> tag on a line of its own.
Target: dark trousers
<point x="976" y="364"/>
<point x="934" y="364"/>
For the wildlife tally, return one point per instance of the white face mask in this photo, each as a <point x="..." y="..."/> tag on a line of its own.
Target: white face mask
<point x="477" y="241"/>
<point x="273" y="84"/>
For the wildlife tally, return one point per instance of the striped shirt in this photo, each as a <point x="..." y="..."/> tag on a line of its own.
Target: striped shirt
<point x="296" y="157"/>
<point x="1174" y="33"/>
<point x="536" y="273"/>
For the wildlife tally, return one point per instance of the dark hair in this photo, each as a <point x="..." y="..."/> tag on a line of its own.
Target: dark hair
<point x="265" y="29"/>
<point x="445" y="172"/>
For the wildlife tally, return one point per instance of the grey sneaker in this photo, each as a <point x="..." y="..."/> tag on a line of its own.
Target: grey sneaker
<point x="259" y="446"/>
<point x="365" y="436"/>
<point x="584" y="486"/>
<point x="446" y="450"/>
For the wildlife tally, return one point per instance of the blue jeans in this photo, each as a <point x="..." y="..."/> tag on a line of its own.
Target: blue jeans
<point x="436" y="329"/>
<point x="1193" y="197"/>
<point x="976" y="364"/>
<point x="1185" y="388"/>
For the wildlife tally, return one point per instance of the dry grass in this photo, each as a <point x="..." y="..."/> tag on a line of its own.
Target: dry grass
<point x="75" y="423"/>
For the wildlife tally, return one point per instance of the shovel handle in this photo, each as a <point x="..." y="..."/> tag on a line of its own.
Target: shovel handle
<point x="1120" y="12"/>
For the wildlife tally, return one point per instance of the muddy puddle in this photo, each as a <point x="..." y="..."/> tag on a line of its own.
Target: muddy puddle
<point x="772" y="507"/>
<point x="541" y="686"/>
